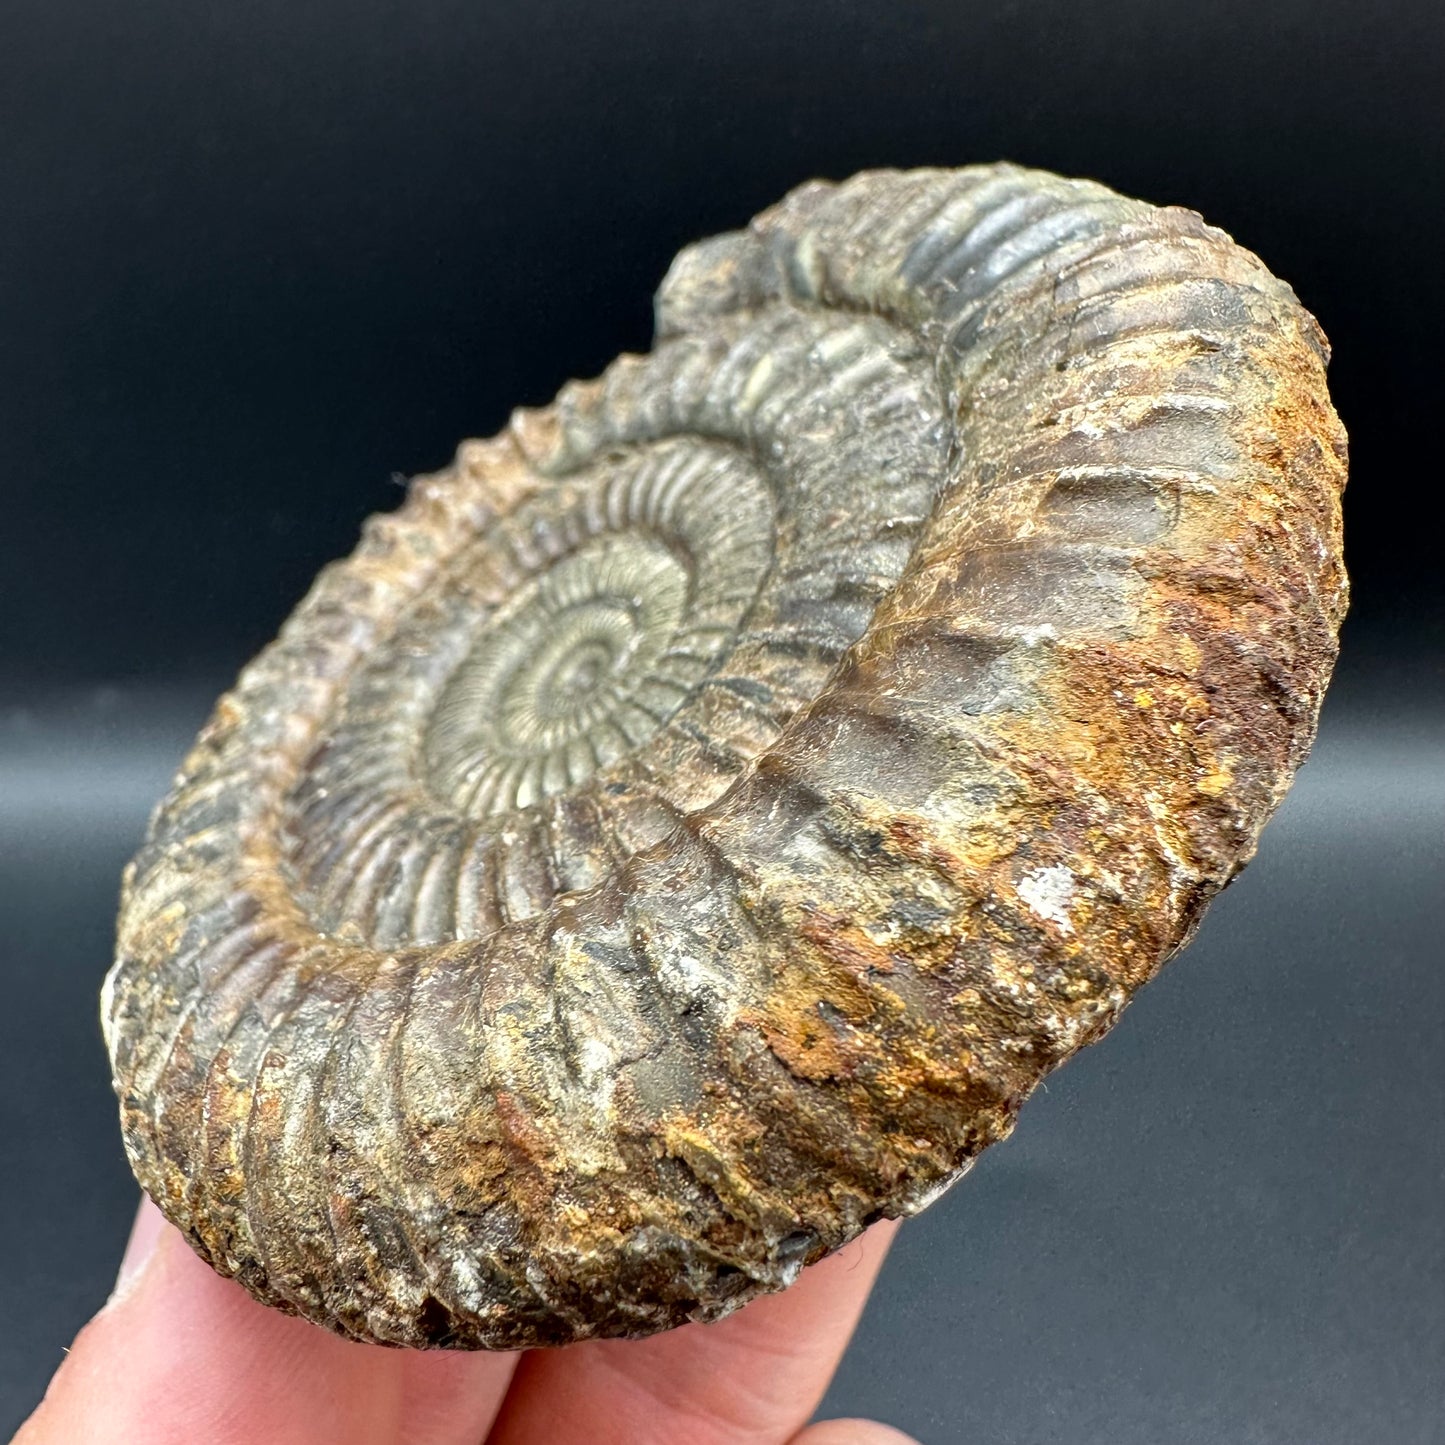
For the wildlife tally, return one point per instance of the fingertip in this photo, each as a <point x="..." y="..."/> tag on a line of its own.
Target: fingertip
<point x="852" y="1432"/>
<point x="452" y="1397"/>
<point x="865" y="1253"/>
<point x="824" y="1304"/>
<point x="756" y="1374"/>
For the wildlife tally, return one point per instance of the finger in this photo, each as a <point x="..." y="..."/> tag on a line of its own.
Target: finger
<point x="756" y="1376"/>
<point x="852" y="1432"/>
<point x="180" y="1355"/>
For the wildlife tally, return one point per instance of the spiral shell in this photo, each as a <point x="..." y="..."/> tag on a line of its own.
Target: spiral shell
<point x="689" y="827"/>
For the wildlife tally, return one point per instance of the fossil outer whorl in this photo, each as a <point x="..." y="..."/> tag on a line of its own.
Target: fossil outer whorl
<point x="692" y="824"/>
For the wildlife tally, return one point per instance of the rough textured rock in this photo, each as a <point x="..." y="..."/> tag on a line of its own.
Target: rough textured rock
<point x="688" y="829"/>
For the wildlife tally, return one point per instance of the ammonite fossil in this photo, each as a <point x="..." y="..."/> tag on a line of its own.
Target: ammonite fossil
<point x="689" y="827"/>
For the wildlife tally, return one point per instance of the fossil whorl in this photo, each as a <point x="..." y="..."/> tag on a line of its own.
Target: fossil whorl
<point x="690" y="826"/>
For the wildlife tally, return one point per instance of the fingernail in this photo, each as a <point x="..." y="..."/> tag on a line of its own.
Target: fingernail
<point x="145" y="1234"/>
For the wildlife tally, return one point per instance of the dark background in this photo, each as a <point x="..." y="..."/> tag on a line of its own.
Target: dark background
<point x="255" y="259"/>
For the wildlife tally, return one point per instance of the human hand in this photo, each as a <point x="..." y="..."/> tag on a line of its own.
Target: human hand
<point x="179" y="1354"/>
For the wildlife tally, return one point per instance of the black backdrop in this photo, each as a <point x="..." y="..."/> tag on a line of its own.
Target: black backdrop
<point x="257" y="259"/>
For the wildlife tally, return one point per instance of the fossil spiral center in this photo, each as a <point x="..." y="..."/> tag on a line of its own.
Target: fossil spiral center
<point x="617" y="595"/>
<point x="573" y="671"/>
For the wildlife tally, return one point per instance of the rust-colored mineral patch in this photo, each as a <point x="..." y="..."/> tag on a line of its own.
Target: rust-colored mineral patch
<point x="689" y="827"/>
